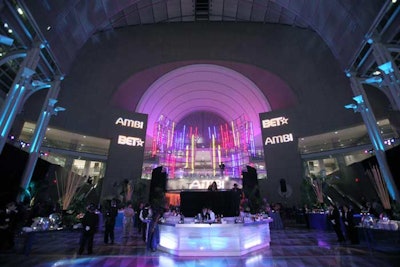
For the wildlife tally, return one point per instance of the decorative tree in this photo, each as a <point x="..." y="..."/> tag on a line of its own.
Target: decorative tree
<point x="317" y="186"/>
<point x="67" y="187"/>
<point x="316" y="183"/>
<point x="380" y="186"/>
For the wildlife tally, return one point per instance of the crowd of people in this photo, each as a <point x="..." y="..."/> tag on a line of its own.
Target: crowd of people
<point x="142" y="221"/>
<point x="145" y="219"/>
<point x="17" y="218"/>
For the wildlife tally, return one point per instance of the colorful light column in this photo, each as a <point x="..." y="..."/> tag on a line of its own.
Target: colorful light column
<point x="193" y="150"/>
<point x="213" y="158"/>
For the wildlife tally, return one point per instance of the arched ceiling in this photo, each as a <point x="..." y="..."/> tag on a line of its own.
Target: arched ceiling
<point x="65" y="26"/>
<point x="202" y="87"/>
<point x="343" y="25"/>
<point x="227" y="89"/>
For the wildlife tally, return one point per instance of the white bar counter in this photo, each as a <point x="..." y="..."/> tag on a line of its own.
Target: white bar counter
<point x="214" y="239"/>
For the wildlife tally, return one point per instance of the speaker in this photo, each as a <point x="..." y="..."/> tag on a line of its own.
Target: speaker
<point x="250" y="182"/>
<point x="251" y="189"/>
<point x="158" y="185"/>
<point x="283" y="185"/>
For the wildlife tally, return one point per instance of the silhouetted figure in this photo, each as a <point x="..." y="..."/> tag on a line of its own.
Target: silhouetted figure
<point x="205" y="216"/>
<point x="145" y="216"/>
<point x="138" y="221"/>
<point x="109" y="222"/>
<point x="334" y="218"/>
<point x="349" y="225"/>
<point x="8" y="223"/>
<point x="213" y="186"/>
<point x="222" y="168"/>
<point x="153" y="235"/>
<point x="236" y="198"/>
<point x="90" y="224"/>
<point x="129" y="214"/>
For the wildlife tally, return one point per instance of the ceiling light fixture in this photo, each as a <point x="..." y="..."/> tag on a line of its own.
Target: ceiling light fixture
<point x="20" y="11"/>
<point x="377" y="72"/>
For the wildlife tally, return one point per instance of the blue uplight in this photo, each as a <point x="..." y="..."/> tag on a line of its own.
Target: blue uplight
<point x="386" y="67"/>
<point x="14" y="109"/>
<point x="8" y="103"/>
<point x="35" y="147"/>
<point x="359" y="99"/>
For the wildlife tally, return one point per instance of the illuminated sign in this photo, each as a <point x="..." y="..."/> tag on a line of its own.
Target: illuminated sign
<point x="129" y="123"/>
<point x="204" y="184"/>
<point x="130" y="141"/>
<point x="274" y="122"/>
<point x="278" y="139"/>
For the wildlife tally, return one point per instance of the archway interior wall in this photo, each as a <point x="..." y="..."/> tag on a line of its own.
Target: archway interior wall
<point x="319" y="88"/>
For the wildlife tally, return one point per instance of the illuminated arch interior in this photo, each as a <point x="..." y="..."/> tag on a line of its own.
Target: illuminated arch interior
<point x="201" y="115"/>
<point x="203" y="87"/>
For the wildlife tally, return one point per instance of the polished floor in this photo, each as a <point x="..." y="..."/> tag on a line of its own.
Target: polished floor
<point x="293" y="246"/>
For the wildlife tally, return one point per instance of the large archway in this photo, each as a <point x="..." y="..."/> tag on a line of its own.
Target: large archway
<point x="203" y="87"/>
<point x="201" y="113"/>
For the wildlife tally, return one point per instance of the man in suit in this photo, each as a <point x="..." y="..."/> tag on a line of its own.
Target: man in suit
<point x="109" y="222"/>
<point x="90" y="224"/>
<point x="237" y="196"/>
<point x="145" y="216"/>
<point x="349" y="224"/>
<point x="334" y="218"/>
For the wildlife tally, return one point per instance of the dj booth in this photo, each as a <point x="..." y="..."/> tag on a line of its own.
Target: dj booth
<point x="221" y="202"/>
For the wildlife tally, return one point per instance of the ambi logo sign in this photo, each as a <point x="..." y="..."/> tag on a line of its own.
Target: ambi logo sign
<point x="129" y="123"/>
<point x="278" y="139"/>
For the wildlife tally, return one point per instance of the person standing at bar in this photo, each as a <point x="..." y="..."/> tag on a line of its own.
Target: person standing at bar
<point x="213" y="186"/>
<point x="236" y="198"/>
<point x="205" y="216"/>
<point x="211" y="215"/>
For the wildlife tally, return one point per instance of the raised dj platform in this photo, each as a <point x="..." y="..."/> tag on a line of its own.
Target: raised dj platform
<point x="212" y="239"/>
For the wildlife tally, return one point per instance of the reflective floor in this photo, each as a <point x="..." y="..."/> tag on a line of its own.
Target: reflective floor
<point x="290" y="247"/>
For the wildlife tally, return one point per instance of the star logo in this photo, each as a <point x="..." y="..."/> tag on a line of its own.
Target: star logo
<point x="139" y="142"/>
<point x="284" y="120"/>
